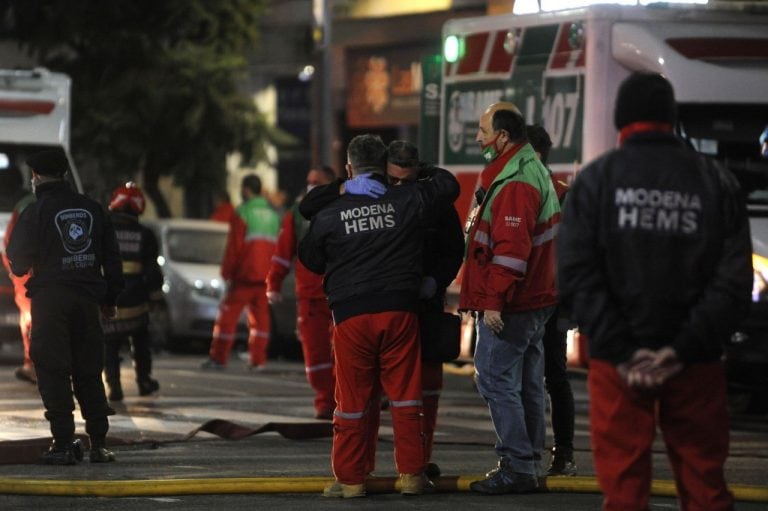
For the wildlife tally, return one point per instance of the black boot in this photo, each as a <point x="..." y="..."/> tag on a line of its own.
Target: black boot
<point x="562" y="463"/>
<point x="147" y="386"/>
<point x="63" y="453"/>
<point x="99" y="453"/>
<point x="115" y="390"/>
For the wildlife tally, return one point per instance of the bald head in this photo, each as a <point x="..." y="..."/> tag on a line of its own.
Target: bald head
<point x="486" y="134"/>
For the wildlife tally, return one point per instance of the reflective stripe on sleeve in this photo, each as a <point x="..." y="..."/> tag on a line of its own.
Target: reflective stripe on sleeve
<point x="545" y="236"/>
<point x="511" y="262"/>
<point x="281" y="261"/>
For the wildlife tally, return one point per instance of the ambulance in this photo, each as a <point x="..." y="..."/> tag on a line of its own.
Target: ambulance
<point x="563" y="69"/>
<point x="35" y="107"/>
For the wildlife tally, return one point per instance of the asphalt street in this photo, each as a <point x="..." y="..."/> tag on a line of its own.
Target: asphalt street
<point x="160" y="464"/>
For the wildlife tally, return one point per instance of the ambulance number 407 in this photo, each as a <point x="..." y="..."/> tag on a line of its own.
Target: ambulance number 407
<point x="561" y="113"/>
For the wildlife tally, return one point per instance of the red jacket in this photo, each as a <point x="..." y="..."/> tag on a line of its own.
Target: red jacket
<point x="308" y="284"/>
<point x="510" y="261"/>
<point x="251" y="242"/>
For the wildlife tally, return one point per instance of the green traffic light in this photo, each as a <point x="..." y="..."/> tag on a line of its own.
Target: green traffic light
<point x="452" y="48"/>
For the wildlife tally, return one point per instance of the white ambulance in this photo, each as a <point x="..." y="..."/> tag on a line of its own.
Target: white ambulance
<point x="35" y="109"/>
<point x="562" y="69"/>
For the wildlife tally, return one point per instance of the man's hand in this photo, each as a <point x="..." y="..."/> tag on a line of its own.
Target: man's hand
<point x="274" y="297"/>
<point x="364" y="185"/>
<point x="108" y="311"/>
<point x="492" y="320"/>
<point x="648" y="369"/>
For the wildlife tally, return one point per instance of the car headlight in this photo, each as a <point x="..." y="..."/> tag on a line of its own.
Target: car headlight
<point x="208" y="289"/>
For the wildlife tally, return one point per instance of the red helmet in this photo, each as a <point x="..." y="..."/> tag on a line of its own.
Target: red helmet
<point x="128" y="198"/>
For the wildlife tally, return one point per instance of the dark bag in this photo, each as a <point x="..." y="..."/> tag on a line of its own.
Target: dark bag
<point x="440" y="336"/>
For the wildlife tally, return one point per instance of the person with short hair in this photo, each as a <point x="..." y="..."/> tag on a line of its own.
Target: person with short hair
<point x="250" y="245"/>
<point x="509" y="282"/>
<point x="313" y="319"/>
<point x="443" y="255"/>
<point x="655" y="263"/>
<point x="555" y="347"/>
<point x="67" y="243"/>
<point x="370" y="251"/>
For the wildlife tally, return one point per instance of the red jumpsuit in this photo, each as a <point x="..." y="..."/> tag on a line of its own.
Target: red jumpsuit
<point x="314" y="322"/>
<point x="19" y="283"/>
<point x="250" y="245"/>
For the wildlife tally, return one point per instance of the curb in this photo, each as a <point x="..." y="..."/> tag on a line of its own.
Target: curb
<point x="446" y="484"/>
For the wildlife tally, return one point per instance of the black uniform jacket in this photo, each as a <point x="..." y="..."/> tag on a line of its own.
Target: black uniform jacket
<point x="67" y="240"/>
<point x="654" y="250"/>
<point x="139" y="251"/>
<point x="370" y="250"/>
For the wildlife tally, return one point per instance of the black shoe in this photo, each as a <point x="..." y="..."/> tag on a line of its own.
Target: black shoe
<point x="504" y="480"/>
<point x="100" y="455"/>
<point x="562" y="463"/>
<point x="69" y="454"/>
<point x="26" y="373"/>
<point x="148" y="386"/>
<point x="432" y="471"/>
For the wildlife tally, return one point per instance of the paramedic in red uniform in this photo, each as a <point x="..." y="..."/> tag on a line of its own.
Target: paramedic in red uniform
<point x="655" y="263"/>
<point x="26" y="371"/>
<point x="247" y="258"/>
<point x="313" y="320"/>
<point x="370" y="251"/>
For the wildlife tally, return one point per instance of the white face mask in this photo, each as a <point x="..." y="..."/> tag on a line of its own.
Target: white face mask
<point x="34" y="182"/>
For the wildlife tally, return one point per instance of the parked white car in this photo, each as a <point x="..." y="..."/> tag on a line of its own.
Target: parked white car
<point x="190" y="255"/>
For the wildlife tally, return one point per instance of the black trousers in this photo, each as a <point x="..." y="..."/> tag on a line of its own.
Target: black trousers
<point x="557" y="383"/>
<point x="136" y="332"/>
<point x="67" y="347"/>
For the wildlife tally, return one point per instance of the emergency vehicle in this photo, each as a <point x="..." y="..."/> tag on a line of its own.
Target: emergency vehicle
<point x="562" y="69"/>
<point x="35" y="109"/>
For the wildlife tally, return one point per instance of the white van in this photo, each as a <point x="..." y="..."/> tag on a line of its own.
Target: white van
<point x="35" y="109"/>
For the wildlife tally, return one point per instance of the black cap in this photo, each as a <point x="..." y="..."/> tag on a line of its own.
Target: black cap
<point x="51" y="162"/>
<point x="644" y="97"/>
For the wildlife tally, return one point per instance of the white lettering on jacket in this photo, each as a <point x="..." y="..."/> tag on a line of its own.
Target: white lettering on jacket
<point x="664" y="211"/>
<point x="368" y="218"/>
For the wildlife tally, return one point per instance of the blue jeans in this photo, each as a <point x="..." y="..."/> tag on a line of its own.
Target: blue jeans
<point x="509" y="370"/>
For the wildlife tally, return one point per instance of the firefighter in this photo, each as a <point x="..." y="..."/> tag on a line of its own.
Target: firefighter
<point x="67" y="243"/>
<point x="143" y="290"/>
<point x="26" y="371"/>
<point x="314" y="322"/>
<point x="250" y="245"/>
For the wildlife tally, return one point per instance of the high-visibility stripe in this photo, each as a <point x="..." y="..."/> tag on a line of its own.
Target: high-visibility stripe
<point x="510" y="262"/>
<point x="401" y="404"/>
<point x="282" y="261"/>
<point x="318" y="367"/>
<point x="258" y="333"/>
<point x="348" y="415"/>
<point x="261" y="237"/>
<point x="132" y="267"/>
<point x="482" y="238"/>
<point x="546" y="236"/>
<point x="226" y="337"/>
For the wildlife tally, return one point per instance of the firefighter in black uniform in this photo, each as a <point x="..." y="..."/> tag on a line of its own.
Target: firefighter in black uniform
<point x="67" y="242"/>
<point x="143" y="283"/>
